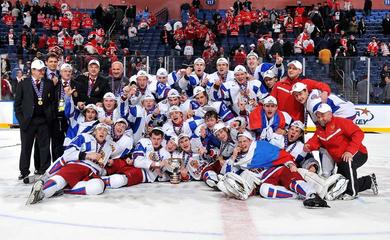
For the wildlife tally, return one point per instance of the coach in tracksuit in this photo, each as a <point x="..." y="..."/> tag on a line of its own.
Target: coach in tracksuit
<point x="343" y="140"/>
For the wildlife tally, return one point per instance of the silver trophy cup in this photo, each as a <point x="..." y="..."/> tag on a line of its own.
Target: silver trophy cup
<point x="173" y="168"/>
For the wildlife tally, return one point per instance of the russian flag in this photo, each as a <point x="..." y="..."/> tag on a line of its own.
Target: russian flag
<point x="266" y="155"/>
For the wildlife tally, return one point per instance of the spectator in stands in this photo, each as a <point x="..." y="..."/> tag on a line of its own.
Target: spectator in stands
<point x="353" y="26"/>
<point x="352" y="49"/>
<point x="6" y="88"/>
<point x="372" y="48"/>
<point x="240" y="56"/>
<point x="385" y="72"/>
<point x="361" y="88"/>
<point x="384" y="49"/>
<point x="367" y="7"/>
<point x="277" y="29"/>
<point x="386" y="24"/>
<point x="188" y="51"/>
<point x="27" y="19"/>
<point x="78" y="41"/>
<point x="308" y="46"/>
<point x="237" y="6"/>
<point x="324" y="57"/>
<point x="386" y="91"/>
<point x="247" y="4"/>
<point x="362" y="26"/>
<point x="5" y="7"/>
<point x="132" y="34"/>
<point x="277" y="48"/>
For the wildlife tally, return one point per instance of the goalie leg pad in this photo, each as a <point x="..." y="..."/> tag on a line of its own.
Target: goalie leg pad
<point x="237" y="186"/>
<point x="337" y="189"/>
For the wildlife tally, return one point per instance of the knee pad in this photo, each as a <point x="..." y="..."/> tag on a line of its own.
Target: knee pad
<point x="94" y="186"/>
<point x="115" y="181"/>
<point x="53" y="185"/>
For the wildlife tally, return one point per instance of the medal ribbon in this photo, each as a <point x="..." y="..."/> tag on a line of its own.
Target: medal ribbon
<point x="40" y="91"/>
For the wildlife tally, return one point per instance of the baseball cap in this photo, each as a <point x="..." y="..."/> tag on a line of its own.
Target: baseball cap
<point x="296" y="63"/>
<point x="148" y="96"/>
<point x="66" y="66"/>
<point x="239" y="68"/>
<point x="252" y="54"/>
<point x="245" y="134"/>
<point x="109" y="95"/>
<point x="222" y="60"/>
<point x="298" y="124"/>
<point x="162" y="72"/>
<point x="90" y="106"/>
<point x="122" y="120"/>
<point x="37" y="64"/>
<point x="142" y="73"/>
<point x="94" y="61"/>
<point x="218" y="127"/>
<point x="197" y="90"/>
<point x="269" y="74"/>
<point x="103" y="125"/>
<point x="174" y="109"/>
<point x="199" y="60"/>
<point x="173" y="93"/>
<point x="298" y="87"/>
<point x="323" y="108"/>
<point x="270" y="100"/>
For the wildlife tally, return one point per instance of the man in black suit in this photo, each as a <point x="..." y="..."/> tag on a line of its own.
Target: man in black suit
<point x="91" y="87"/>
<point x="34" y="111"/>
<point x="51" y="74"/>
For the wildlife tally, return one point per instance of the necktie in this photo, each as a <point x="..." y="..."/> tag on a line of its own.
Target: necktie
<point x="52" y="74"/>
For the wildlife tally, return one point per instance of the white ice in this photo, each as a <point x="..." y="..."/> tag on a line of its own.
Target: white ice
<point x="189" y="210"/>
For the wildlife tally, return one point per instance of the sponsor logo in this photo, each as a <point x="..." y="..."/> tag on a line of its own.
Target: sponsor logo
<point x="363" y="116"/>
<point x="210" y="2"/>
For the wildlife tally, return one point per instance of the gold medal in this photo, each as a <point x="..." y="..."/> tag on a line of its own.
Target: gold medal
<point x="40" y="102"/>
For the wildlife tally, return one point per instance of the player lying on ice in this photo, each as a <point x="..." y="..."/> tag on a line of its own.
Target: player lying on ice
<point x="85" y="159"/>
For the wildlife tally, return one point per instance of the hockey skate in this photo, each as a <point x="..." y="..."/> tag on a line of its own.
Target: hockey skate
<point x="36" y="194"/>
<point x="31" y="179"/>
<point x="374" y="184"/>
<point x="347" y="197"/>
<point x="315" y="201"/>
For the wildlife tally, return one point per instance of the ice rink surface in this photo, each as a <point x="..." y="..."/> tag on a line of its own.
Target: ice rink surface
<point x="189" y="210"/>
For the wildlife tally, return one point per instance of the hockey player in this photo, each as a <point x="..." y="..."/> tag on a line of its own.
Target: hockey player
<point x="198" y="77"/>
<point x="282" y="91"/>
<point x="121" y="140"/>
<point x="267" y="120"/>
<point x="202" y="104"/>
<point x="193" y="163"/>
<point x="86" y="157"/>
<point x="343" y="140"/>
<point x="277" y="68"/>
<point x="176" y="124"/>
<point x="223" y="74"/>
<point x="109" y="112"/>
<point x="311" y="101"/>
<point x="151" y="157"/>
<point x="280" y="178"/>
<point x="173" y="99"/>
<point x="240" y="89"/>
<point x="79" y="120"/>
<point x="211" y="171"/>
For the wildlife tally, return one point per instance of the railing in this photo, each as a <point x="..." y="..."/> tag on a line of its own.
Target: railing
<point x="162" y="15"/>
<point x="344" y="75"/>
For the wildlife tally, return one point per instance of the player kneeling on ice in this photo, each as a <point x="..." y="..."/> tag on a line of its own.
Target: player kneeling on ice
<point x="343" y="141"/>
<point x="278" y="179"/>
<point x="86" y="157"/>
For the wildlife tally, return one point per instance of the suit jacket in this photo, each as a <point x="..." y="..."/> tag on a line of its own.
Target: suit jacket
<point x="24" y="101"/>
<point x="81" y="83"/>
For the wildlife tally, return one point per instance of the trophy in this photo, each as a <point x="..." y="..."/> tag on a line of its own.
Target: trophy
<point x="173" y="168"/>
